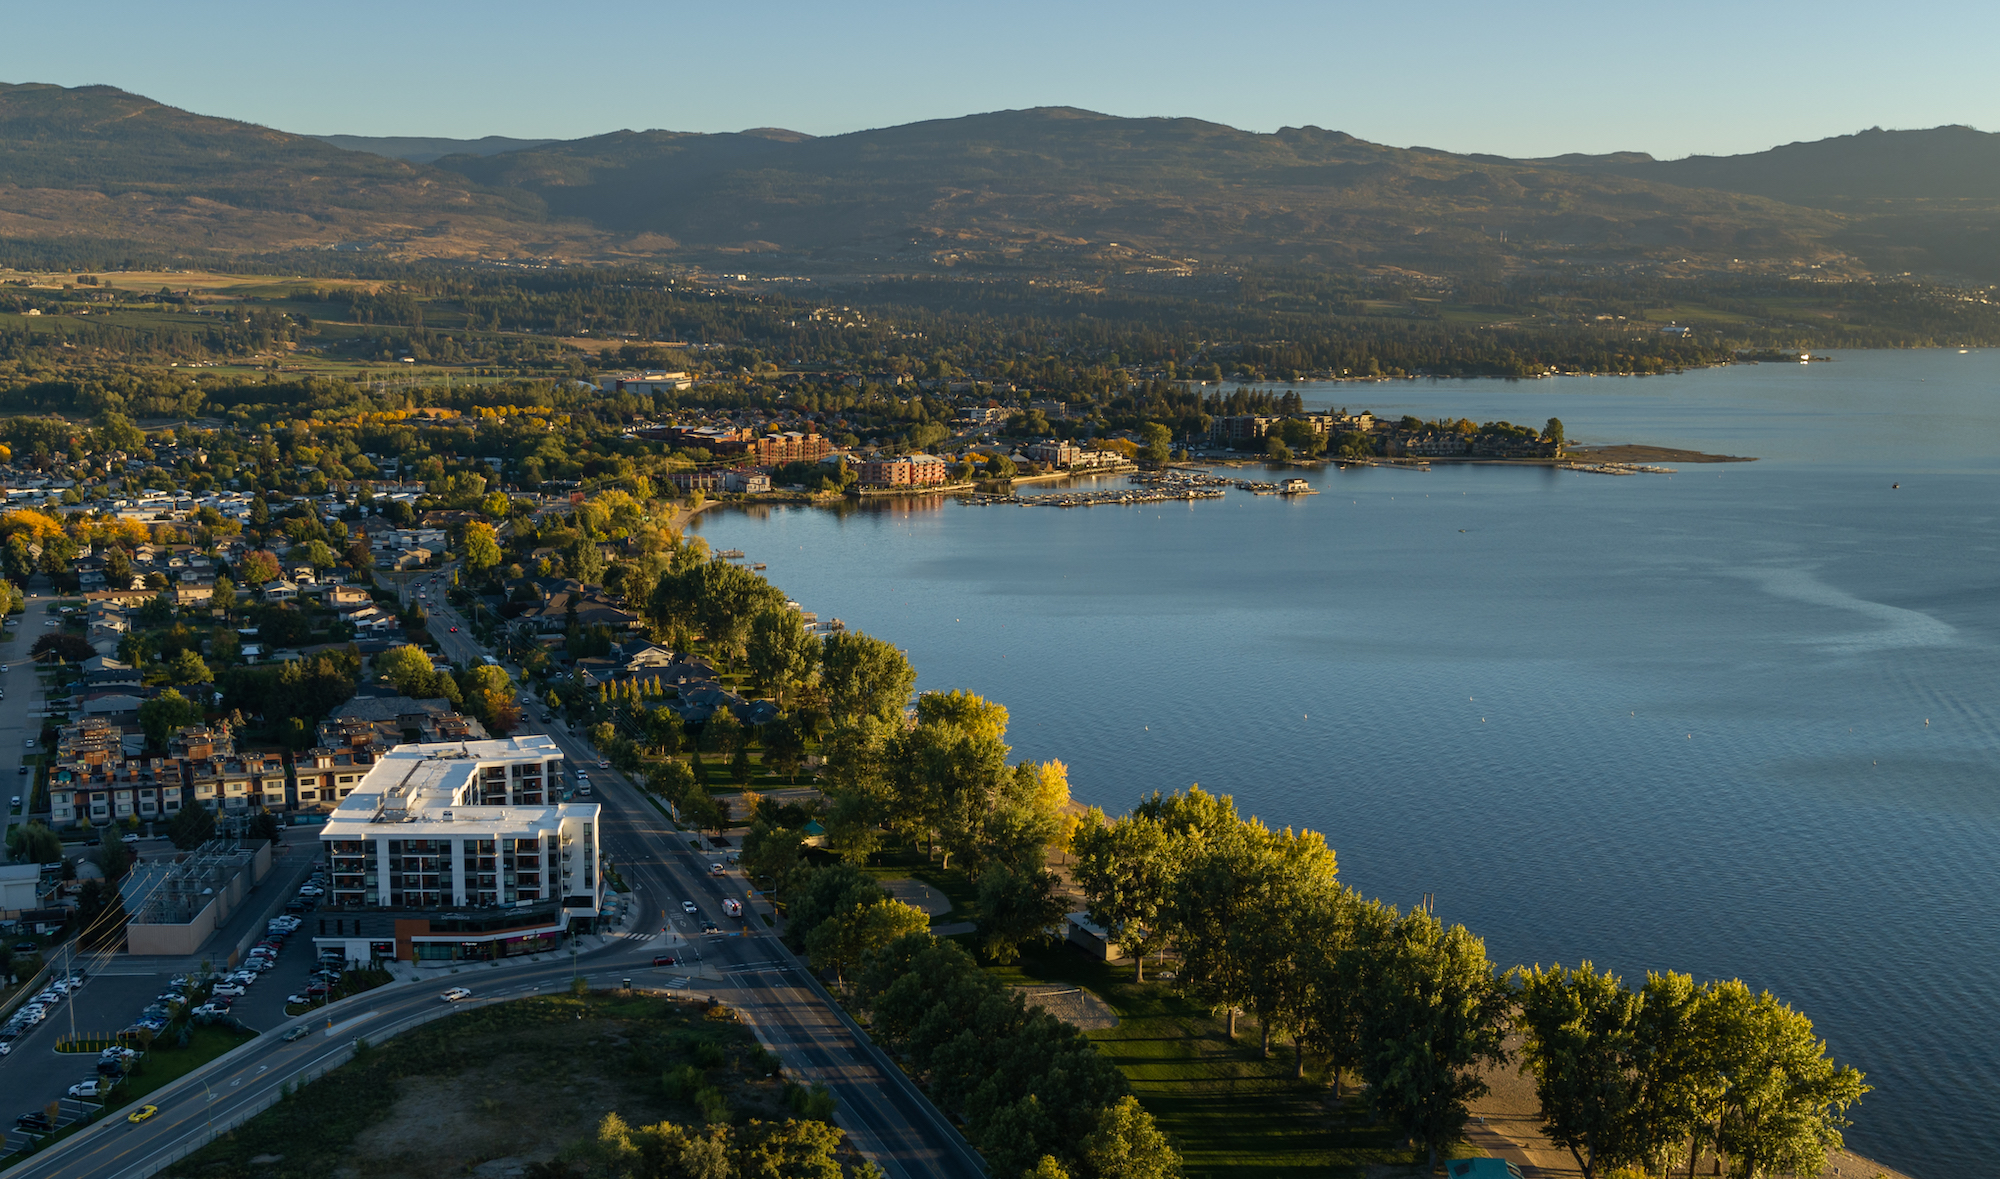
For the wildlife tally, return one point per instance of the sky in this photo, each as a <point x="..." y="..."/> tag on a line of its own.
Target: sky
<point x="1527" y="79"/>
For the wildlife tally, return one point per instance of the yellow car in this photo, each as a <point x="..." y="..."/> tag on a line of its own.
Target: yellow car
<point x="142" y="1113"/>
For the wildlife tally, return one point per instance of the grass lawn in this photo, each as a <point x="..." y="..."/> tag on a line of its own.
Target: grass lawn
<point x="1230" y="1113"/>
<point x="900" y="860"/>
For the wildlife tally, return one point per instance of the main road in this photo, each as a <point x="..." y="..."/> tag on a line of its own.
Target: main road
<point x="889" y="1120"/>
<point x="745" y="967"/>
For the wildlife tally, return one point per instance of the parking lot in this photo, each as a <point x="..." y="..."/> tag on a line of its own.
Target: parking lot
<point x="117" y="989"/>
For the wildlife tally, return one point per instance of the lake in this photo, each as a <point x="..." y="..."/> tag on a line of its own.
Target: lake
<point x="1737" y="721"/>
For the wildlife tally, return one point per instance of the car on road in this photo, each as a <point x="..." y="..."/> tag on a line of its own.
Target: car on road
<point x="455" y="994"/>
<point x="663" y="960"/>
<point x="716" y="869"/>
<point x="142" y="1113"/>
<point x="24" y="771"/>
<point x="29" y="743"/>
<point x="603" y="763"/>
<point x="17" y="802"/>
<point x="131" y="837"/>
<point x="454" y="630"/>
<point x="710" y="927"/>
<point x="298" y="1033"/>
<point x="689" y="906"/>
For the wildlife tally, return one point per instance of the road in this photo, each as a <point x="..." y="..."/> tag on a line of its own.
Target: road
<point x="20" y="727"/>
<point x="889" y="1120"/>
<point x="745" y="967"/>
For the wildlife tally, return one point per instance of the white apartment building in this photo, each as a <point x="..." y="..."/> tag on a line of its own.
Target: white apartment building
<point x="459" y="850"/>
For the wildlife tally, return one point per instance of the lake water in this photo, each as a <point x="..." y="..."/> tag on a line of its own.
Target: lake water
<point x="1740" y="721"/>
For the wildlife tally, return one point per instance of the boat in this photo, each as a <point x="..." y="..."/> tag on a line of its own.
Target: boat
<point x="731" y="554"/>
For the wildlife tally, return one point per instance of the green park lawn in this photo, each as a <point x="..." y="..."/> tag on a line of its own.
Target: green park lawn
<point x="1230" y="1113"/>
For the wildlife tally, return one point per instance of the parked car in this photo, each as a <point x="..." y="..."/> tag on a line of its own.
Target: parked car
<point x="94" y="1087"/>
<point x="230" y="989"/>
<point x="299" y="1000"/>
<point x="34" y="1121"/>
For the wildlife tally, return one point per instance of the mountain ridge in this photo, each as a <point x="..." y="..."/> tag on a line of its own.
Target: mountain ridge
<point x="1036" y="187"/>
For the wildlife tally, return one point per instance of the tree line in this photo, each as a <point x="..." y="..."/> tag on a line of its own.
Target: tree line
<point x="1255" y="920"/>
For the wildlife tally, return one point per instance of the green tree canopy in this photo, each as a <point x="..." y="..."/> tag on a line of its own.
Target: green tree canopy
<point x="163" y="714"/>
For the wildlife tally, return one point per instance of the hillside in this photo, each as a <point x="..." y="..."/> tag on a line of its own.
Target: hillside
<point x="420" y="149"/>
<point x="98" y="164"/>
<point x="1926" y="201"/>
<point x="1943" y="163"/>
<point x="1036" y="184"/>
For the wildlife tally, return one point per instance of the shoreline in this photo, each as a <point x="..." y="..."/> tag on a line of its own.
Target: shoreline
<point x="1506" y="1123"/>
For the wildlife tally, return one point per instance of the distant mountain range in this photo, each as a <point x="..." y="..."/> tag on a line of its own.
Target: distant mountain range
<point x="1043" y="188"/>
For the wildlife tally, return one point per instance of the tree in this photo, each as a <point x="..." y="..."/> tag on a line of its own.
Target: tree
<point x="410" y="670"/>
<point x="165" y="713"/>
<point x="100" y="916"/>
<point x="1016" y="905"/>
<point x="259" y="566"/>
<point x="773" y="852"/>
<point x="482" y="550"/>
<point x="1343" y="951"/>
<point x="784" y="747"/>
<point x="33" y="843"/>
<point x="112" y="857"/>
<point x="65" y="646"/>
<point x="951" y="770"/>
<point x="224" y="597"/>
<point x="1581" y="1040"/>
<point x="191" y="826"/>
<point x="1553" y="432"/>
<point x="1298" y="870"/>
<point x="1786" y="1102"/>
<point x="1127" y="1145"/>
<point x="864" y="676"/>
<point x="1434" y="1015"/>
<point x="825" y="893"/>
<point x="845" y="939"/>
<point x="1158" y="442"/>
<point x="781" y="653"/>
<point x="1126" y="870"/>
<point x="186" y="667"/>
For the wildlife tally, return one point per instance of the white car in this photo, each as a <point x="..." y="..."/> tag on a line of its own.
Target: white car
<point x="231" y="989"/>
<point x="299" y="1000"/>
<point x="456" y="994"/>
<point x="91" y="1088"/>
<point x="689" y="906"/>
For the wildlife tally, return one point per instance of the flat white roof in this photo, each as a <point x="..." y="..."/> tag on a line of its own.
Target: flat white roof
<point x="425" y="786"/>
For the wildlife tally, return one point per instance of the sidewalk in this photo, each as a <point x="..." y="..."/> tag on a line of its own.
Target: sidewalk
<point x="623" y="929"/>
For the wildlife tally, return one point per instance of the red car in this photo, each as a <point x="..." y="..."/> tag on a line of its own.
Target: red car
<point x="454" y="630"/>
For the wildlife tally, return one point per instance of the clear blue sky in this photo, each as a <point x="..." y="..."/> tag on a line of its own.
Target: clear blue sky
<point x="1516" y="79"/>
